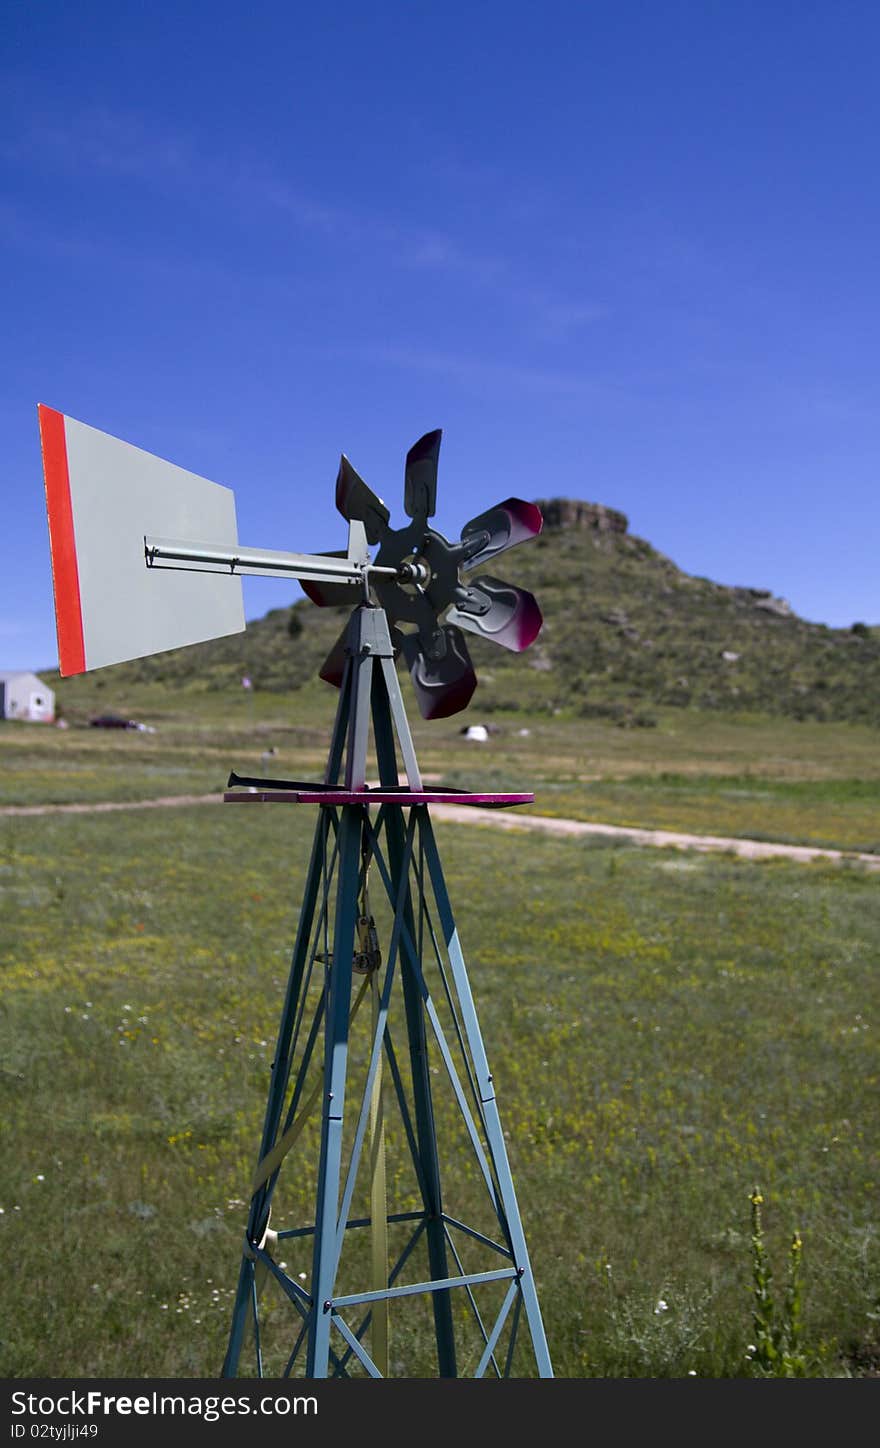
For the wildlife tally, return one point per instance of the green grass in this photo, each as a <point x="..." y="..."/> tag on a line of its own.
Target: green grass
<point x="191" y="752"/>
<point x="753" y="777"/>
<point x="838" y="813"/>
<point x="664" y="1030"/>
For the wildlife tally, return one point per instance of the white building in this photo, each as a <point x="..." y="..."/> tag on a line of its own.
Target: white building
<point x="24" y="696"/>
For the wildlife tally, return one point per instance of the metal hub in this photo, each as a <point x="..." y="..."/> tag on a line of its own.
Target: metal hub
<point x="429" y="589"/>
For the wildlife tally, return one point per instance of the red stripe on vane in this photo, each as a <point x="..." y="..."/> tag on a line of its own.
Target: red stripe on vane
<point x="62" y="543"/>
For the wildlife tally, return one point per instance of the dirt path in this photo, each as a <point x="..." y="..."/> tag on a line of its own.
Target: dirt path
<point x="664" y="839"/>
<point x="515" y="820"/>
<point x="105" y="805"/>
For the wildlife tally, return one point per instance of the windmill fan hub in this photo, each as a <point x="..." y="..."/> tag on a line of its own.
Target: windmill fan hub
<point x="426" y="581"/>
<point x="417" y="580"/>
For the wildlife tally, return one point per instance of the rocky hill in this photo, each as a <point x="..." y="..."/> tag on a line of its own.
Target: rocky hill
<point x="625" y="631"/>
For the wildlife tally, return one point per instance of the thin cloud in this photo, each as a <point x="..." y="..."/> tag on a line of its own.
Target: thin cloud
<point x="558" y="318"/>
<point x="484" y="374"/>
<point x="551" y="316"/>
<point x="100" y="140"/>
<point x="107" y="143"/>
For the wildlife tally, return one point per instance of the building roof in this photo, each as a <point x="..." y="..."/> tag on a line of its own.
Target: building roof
<point x="7" y="675"/>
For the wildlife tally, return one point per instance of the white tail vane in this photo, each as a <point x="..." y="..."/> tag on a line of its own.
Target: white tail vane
<point x="104" y="497"/>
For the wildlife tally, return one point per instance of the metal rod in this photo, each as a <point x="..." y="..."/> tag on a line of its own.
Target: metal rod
<point x="357" y="1347"/>
<point x="392" y="1276"/>
<point x="160" y="552"/>
<point x="471" y="1298"/>
<point x="410" y="958"/>
<point x="428" y="1155"/>
<point x="375" y="1057"/>
<point x="435" y="1285"/>
<point x="509" y="1216"/>
<point x="496" y="1331"/>
<point x="358" y="1222"/>
<point x="471" y="1232"/>
<point x="335" y="1070"/>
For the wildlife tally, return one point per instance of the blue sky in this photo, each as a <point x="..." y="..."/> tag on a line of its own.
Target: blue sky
<point x="620" y="251"/>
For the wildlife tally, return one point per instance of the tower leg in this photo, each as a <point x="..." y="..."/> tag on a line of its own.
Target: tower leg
<point x="303" y="955"/>
<point x="338" y="988"/>
<point x="491" y="1117"/>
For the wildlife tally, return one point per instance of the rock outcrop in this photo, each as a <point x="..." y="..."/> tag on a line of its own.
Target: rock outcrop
<point x="572" y="513"/>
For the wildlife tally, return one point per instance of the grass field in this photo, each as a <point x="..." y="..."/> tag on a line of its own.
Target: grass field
<point x="665" y="1030"/>
<point x="806" y="783"/>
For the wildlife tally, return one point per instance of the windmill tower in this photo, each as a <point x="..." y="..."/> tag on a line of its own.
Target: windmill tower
<point x="383" y="1235"/>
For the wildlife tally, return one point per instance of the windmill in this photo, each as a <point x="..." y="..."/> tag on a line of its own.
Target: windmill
<point x="380" y="1076"/>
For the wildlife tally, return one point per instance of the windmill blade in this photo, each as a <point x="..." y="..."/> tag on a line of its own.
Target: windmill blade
<point x="508" y="616"/>
<point x="332" y="671"/>
<point x="358" y="503"/>
<point x="502" y="527"/>
<point x="332" y="595"/>
<point x="420" y="478"/>
<point x="444" y="681"/>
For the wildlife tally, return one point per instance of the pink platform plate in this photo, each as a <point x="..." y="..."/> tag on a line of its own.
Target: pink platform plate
<point x="322" y="794"/>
